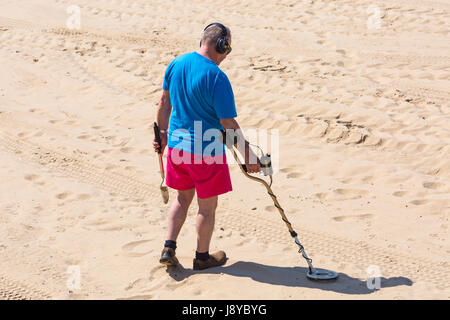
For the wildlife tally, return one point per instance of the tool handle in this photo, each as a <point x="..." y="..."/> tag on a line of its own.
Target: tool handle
<point x="157" y="136"/>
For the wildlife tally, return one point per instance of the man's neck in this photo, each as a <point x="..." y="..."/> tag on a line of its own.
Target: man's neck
<point x="204" y="51"/>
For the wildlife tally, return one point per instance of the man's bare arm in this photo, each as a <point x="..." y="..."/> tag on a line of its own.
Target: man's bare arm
<point x="164" y="110"/>
<point x="162" y="118"/>
<point x="247" y="153"/>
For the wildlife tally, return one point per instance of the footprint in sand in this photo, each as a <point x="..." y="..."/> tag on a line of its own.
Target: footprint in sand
<point x="196" y="292"/>
<point x="126" y="150"/>
<point x="321" y="195"/>
<point x="291" y="173"/>
<point x="419" y="202"/>
<point x="286" y="170"/>
<point x="353" y="193"/>
<point x="348" y="194"/>
<point x="399" y="193"/>
<point x="138" y="283"/>
<point x="34" y="178"/>
<point x="113" y="227"/>
<point x="62" y="196"/>
<point x="294" y="175"/>
<point x="110" y="167"/>
<point x="22" y="134"/>
<point x="270" y="208"/>
<point x="96" y="222"/>
<point x="368" y="179"/>
<point x="130" y="249"/>
<point x="360" y="217"/>
<point x="83" y="196"/>
<point x="432" y="185"/>
<point x="31" y="177"/>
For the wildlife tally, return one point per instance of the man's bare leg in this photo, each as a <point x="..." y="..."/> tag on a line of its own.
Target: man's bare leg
<point x="177" y="216"/>
<point x="205" y="222"/>
<point x="205" y="227"/>
<point x="178" y="213"/>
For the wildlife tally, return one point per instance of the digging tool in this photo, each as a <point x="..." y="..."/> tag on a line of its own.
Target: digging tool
<point x="164" y="190"/>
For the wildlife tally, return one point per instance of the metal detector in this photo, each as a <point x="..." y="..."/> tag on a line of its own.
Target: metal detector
<point x="266" y="167"/>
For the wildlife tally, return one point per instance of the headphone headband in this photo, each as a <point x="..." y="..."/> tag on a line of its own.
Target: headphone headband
<point x="224" y="30"/>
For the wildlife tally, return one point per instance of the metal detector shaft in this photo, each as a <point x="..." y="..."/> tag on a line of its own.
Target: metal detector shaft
<point x="277" y="205"/>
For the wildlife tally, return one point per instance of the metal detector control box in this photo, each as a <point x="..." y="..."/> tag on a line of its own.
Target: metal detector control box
<point x="266" y="165"/>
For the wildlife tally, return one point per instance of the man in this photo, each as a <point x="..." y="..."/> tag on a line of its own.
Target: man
<point x="202" y="100"/>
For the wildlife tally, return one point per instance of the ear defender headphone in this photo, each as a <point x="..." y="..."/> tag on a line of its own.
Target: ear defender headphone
<point x="222" y="45"/>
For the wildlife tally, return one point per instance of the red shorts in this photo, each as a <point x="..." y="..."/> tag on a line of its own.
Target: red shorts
<point x="209" y="175"/>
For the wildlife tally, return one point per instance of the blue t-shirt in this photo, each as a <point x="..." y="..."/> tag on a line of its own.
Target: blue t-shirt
<point x="200" y="94"/>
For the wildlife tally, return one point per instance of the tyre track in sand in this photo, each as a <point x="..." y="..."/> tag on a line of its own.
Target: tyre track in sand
<point x="15" y="290"/>
<point x="251" y="224"/>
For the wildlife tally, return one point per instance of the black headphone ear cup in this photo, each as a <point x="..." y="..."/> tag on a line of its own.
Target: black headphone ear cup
<point x="221" y="45"/>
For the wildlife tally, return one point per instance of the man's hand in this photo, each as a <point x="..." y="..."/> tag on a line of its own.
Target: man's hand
<point x="163" y="145"/>
<point x="252" y="162"/>
<point x="253" y="168"/>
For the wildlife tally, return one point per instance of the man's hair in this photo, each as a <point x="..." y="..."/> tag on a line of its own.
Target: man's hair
<point x="212" y="34"/>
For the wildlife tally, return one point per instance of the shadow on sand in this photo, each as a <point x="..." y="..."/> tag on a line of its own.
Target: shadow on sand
<point x="290" y="277"/>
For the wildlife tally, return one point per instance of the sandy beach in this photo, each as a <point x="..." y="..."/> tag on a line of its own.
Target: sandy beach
<point x="357" y="93"/>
